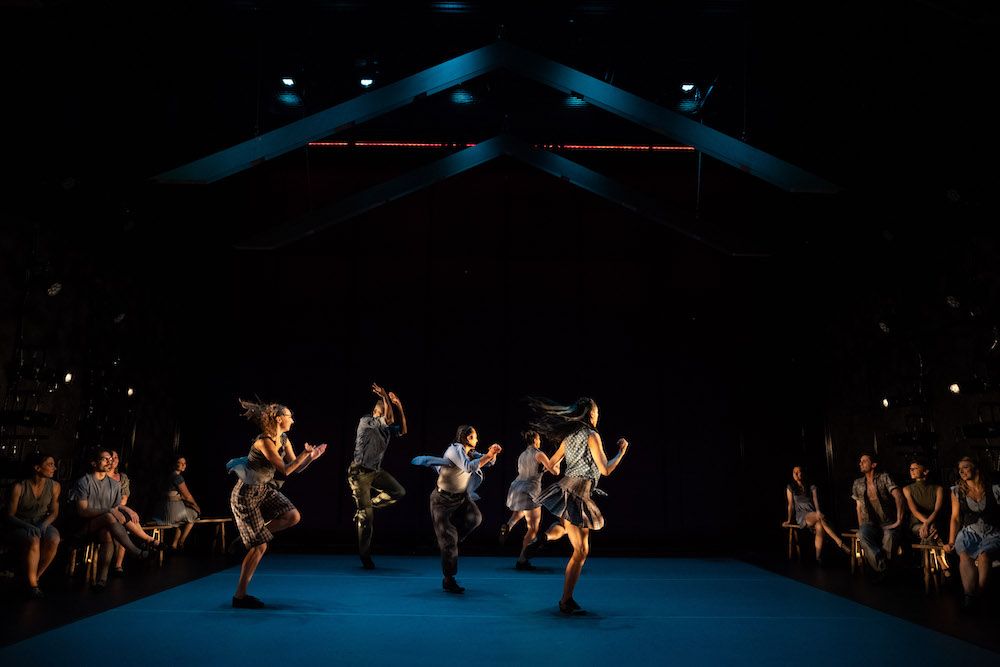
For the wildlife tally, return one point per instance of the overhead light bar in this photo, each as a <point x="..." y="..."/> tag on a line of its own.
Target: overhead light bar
<point x="585" y="147"/>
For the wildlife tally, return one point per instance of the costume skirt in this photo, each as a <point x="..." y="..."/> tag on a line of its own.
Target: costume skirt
<point x="978" y="538"/>
<point x="569" y="499"/>
<point x="254" y="505"/>
<point x="523" y="494"/>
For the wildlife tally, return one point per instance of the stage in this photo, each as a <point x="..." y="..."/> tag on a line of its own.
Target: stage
<point x="327" y="610"/>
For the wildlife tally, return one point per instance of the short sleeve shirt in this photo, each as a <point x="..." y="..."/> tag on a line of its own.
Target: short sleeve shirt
<point x="886" y="512"/>
<point x="100" y="494"/>
<point x="372" y="440"/>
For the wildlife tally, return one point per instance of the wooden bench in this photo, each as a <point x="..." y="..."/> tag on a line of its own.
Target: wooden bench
<point x="218" y="537"/>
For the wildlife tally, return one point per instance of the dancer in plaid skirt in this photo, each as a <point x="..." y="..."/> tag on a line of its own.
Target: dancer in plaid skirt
<point x="259" y="508"/>
<point x="574" y="427"/>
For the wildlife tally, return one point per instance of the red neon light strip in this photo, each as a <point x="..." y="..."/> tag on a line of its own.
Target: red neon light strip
<point x="590" y="147"/>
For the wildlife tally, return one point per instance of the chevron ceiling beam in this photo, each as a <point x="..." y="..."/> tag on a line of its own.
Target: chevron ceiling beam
<point x="461" y="161"/>
<point x="476" y="63"/>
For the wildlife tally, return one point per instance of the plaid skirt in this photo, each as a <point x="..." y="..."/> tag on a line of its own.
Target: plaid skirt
<point x="569" y="499"/>
<point x="253" y="507"/>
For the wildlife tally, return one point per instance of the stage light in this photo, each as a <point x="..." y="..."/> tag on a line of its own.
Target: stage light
<point x="68" y="378"/>
<point x="884" y="327"/>
<point x="462" y="96"/>
<point x="687" y="87"/>
<point x="130" y="392"/>
<point x="288" y="81"/>
<point x="952" y="302"/>
<point x="367" y="82"/>
<point x="54" y="289"/>
<point x="954" y="388"/>
<point x="885" y="402"/>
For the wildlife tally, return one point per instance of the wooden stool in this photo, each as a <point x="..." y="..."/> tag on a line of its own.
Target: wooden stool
<point x="857" y="550"/>
<point x="933" y="555"/>
<point x="793" y="540"/>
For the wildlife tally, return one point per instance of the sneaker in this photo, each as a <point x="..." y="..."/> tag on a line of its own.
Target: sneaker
<point x="524" y="565"/>
<point x="571" y="608"/>
<point x="367" y="564"/>
<point x="535" y="546"/>
<point x="451" y="586"/>
<point x="249" y="602"/>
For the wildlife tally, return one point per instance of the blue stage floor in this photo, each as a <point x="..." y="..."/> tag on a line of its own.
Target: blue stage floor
<point x="327" y="610"/>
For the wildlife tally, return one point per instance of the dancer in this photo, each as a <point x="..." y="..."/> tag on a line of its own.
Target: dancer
<point x="975" y="528"/>
<point x="178" y="508"/>
<point x="365" y="472"/>
<point x="803" y="511"/>
<point x="453" y="508"/>
<point x="574" y="427"/>
<point x="259" y="508"/>
<point x="522" y="498"/>
<point x="33" y="507"/>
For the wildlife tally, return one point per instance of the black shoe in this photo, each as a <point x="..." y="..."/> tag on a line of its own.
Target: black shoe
<point x="450" y="585"/>
<point x="504" y="531"/>
<point x="535" y="546"/>
<point x="367" y="564"/>
<point x="35" y="593"/>
<point x="118" y="572"/>
<point x="249" y="602"/>
<point x="99" y="587"/>
<point x="524" y="565"/>
<point x="571" y="608"/>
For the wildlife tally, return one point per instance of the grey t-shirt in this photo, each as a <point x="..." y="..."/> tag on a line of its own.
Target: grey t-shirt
<point x="100" y="494"/>
<point x="372" y="440"/>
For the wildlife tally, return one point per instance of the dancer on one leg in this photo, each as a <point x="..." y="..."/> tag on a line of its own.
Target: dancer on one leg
<point x="259" y="508"/>
<point x="522" y="498"/>
<point x="574" y="426"/>
<point x="365" y="472"/>
<point x="453" y="508"/>
<point x="33" y="507"/>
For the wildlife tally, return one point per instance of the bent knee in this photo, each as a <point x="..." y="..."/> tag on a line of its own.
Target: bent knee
<point x="292" y="517"/>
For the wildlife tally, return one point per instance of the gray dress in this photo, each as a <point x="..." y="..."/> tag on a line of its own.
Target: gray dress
<point x="802" y="503"/>
<point x="524" y="490"/>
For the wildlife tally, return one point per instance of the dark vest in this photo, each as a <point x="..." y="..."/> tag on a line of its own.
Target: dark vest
<point x="990" y="513"/>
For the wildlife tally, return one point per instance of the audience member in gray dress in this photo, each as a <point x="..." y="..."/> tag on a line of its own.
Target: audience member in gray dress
<point x="574" y="428"/>
<point x="101" y="514"/>
<point x="33" y="507"/>
<point x="178" y="507"/>
<point x="975" y="527"/>
<point x="878" y="501"/>
<point x="522" y="497"/>
<point x="803" y="511"/>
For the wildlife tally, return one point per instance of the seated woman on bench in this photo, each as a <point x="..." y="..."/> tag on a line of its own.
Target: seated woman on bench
<point x="803" y="511"/>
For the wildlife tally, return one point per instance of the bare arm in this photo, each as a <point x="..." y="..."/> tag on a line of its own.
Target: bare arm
<point x="187" y="497"/>
<point x="938" y="504"/>
<point x="547" y="463"/>
<point x="816" y="501"/>
<point x="955" y="519"/>
<point x="270" y="450"/>
<point x="597" y="451"/>
<point x="390" y="418"/>
<point x="15" y="498"/>
<point x="791" y="507"/>
<point x="53" y="506"/>
<point x="858" y="507"/>
<point x="912" y="505"/>
<point x="402" y="416"/>
<point x="900" y="512"/>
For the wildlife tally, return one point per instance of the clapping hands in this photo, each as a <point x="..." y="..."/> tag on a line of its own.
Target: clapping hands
<point x="315" y="452"/>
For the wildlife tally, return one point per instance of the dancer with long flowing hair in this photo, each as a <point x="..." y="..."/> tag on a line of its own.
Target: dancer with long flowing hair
<point x="574" y="427"/>
<point x="259" y="508"/>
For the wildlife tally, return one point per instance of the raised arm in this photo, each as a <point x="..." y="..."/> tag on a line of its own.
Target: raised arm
<point x="390" y="418"/>
<point x="597" y="451"/>
<point x="547" y="463"/>
<point x="402" y="415"/>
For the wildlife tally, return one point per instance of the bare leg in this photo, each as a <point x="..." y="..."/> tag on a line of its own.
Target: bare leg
<point x="515" y="517"/>
<point x="49" y="547"/>
<point x="250" y="562"/>
<point x="32" y="551"/>
<point x="984" y="563"/>
<point x="967" y="569"/>
<point x="182" y="534"/>
<point x="286" y="520"/>
<point x="531" y="518"/>
<point x="555" y="531"/>
<point x="119" y="555"/>
<point x="580" y="539"/>
<point x="137" y="530"/>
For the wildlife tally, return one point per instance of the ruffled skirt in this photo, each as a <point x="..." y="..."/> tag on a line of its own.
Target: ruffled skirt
<point x="523" y="494"/>
<point x="569" y="499"/>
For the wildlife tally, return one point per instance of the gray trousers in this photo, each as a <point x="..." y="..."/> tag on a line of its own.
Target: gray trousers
<point x="455" y="515"/>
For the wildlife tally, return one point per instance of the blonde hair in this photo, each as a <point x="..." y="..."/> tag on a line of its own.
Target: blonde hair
<point x="264" y="415"/>
<point x="963" y="486"/>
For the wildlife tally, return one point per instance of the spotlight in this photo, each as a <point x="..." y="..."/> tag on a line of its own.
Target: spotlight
<point x="288" y="81"/>
<point x="884" y="327"/>
<point x="952" y="302"/>
<point x="68" y="378"/>
<point x="885" y="402"/>
<point x="954" y="388"/>
<point x="687" y="87"/>
<point x="366" y="83"/>
<point x="54" y="289"/>
<point x="130" y="392"/>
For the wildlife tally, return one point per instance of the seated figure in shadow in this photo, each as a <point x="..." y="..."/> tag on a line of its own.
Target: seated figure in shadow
<point x="803" y="511"/>
<point x="31" y="510"/>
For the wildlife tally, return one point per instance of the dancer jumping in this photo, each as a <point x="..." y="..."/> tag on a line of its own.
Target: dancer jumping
<point x="574" y="427"/>
<point x="365" y="472"/>
<point x="259" y="508"/>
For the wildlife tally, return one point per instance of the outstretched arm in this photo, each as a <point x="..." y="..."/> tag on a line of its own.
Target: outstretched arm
<point x="597" y="451"/>
<point x="402" y="416"/>
<point x="547" y="463"/>
<point x="270" y="450"/>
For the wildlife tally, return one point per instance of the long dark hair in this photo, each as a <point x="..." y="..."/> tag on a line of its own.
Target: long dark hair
<point x="804" y="488"/>
<point x="556" y="421"/>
